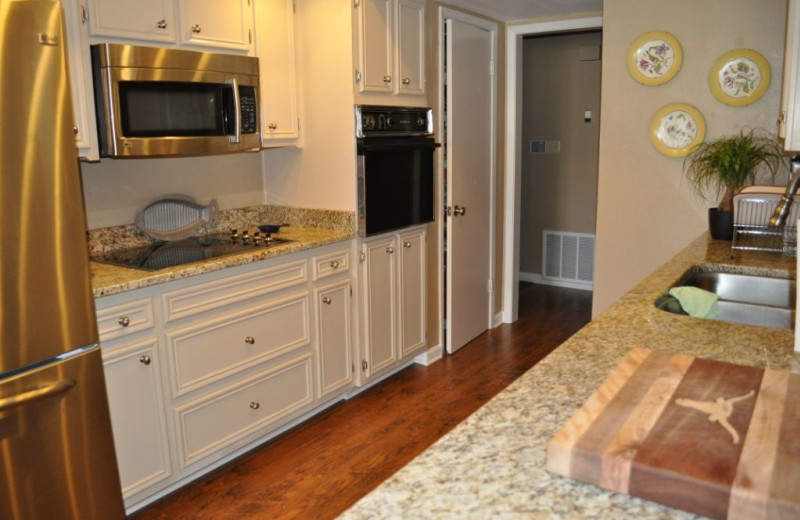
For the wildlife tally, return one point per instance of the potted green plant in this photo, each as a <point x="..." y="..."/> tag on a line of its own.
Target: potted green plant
<point x="728" y="164"/>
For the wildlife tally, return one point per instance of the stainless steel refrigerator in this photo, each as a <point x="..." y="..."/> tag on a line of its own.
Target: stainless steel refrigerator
<point x="57" y="456"/>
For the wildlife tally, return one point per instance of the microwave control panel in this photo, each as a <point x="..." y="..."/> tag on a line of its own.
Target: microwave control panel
<point x="247" y="101"/>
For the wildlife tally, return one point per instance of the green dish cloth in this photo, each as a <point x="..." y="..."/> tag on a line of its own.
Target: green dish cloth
<point x="697" y="302"/>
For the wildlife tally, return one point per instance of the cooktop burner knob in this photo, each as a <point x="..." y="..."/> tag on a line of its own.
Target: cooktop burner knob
<point x="420" y="121"/>
<point x="245" y="236"/>
<point x="235" y="234"/>
<point x="369" y="121"/>
<point x="256" y="238"/>
<point x="389" y="122"/>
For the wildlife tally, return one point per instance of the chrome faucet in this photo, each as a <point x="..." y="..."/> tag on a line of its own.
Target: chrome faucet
<point x="785" y="205"/>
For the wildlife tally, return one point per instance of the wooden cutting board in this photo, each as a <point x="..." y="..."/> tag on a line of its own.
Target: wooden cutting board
<point x="712" y="438"/>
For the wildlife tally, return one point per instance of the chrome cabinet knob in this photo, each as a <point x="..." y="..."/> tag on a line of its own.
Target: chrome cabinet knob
<point x="250" y="340"/>
<point x="144" y="359"/>
<point x="196" y="29"/>
<point x="161" y="24"/>
<point x="273" y="126"/>
<point x="334" y="264"/>
<point x="255" y="405"/>
<point x="387" y="79"/>
<point x="326" y="300"/>
<point x="406" y="81"/>
<point x="124" y="321"/>
<point x="459" y="210"/>
<point x="406" y="244"/>
<point x="390" y="250"/>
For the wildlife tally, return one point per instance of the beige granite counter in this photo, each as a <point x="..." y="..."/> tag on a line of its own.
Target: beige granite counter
<point x="492" y="465"/>
<point x="308" y="229"/>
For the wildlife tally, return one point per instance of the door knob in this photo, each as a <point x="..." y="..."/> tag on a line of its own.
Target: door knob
<point x="459" y="210"/>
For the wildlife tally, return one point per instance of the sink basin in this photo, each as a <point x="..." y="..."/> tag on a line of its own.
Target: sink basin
<point x="752" y="300"/>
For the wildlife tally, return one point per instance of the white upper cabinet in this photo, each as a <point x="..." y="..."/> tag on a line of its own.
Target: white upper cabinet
<point x="151" y="20"/>
<point x="222" y="24"/>
<point x="214" y="24"/>
<point x="275" y="48"/>
<point x="410" y="50"/>
<point x="390" y="46"/>
<point x="790" y="103"/>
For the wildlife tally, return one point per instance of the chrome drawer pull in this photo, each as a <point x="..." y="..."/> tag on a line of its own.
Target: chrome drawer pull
<point x="326" y="300"/>
<point x="250" y="340"/>
<point x="334" y="264"/>
<point x="144" y="359"/>
<point x="124" y="321"/>
<point x="254" y="405"/>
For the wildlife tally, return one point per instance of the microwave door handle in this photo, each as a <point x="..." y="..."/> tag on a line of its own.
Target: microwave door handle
<point x="237" y="108"/>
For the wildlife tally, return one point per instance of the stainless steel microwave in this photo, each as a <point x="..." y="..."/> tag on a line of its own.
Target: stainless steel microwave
<point x="169" y="102"/>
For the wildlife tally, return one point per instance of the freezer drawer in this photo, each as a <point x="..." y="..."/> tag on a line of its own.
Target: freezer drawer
<point x="55" y="439"/>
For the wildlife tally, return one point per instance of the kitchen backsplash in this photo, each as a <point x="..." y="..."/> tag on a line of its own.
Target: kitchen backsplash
<point x="125" y="236"/>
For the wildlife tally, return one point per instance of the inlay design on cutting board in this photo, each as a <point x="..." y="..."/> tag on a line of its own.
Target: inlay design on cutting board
<point x="718" y="410"/>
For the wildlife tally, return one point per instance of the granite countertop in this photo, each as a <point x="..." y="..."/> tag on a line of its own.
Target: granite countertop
<point x="492" y="465"/>
<point x="309" y="229"/>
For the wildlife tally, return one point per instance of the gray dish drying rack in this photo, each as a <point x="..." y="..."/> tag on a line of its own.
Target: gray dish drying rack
<point x="751" y="229"/>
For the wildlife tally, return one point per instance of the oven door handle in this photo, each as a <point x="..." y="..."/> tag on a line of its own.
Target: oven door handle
<point x="367" y="145"/>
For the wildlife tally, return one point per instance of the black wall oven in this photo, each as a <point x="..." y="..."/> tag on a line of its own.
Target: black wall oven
<point x="395" y="148"/>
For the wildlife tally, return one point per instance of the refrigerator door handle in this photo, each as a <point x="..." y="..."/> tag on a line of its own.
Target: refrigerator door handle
<point x="43" y="392"/>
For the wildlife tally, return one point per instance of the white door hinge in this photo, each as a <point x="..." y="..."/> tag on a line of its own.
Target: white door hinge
<point x="364" y="365"/>
<point x="491" y="68"/>
<point x="358" y="76"/>
<point x="362" y="257"/>
<point x="84" y="14"/>
<point x="490" y="285"/>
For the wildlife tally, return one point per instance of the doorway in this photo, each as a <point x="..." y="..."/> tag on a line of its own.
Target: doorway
<point x="560" y="134"/>
<point x="513" y="151"/>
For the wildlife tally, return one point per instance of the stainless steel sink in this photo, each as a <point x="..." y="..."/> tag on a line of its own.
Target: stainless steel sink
<point x="752" y="300"/>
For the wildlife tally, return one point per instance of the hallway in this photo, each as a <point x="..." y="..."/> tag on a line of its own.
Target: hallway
<point x="320" y="468"/>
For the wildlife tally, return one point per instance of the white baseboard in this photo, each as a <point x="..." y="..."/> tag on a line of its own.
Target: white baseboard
<point x="537" y="278"/>
<point x="498" y="319"/>
<point x="430" y="356"/>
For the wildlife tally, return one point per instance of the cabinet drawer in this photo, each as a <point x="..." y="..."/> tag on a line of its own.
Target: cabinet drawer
<point x="331" y="264"/>
<point x="210" y="424"/>
<point x="201" y="354"/>
<point x="125" y="318"/>
<point x="230" y="289"/>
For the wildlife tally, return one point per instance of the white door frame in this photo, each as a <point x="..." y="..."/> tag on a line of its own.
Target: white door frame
<point x="513" y="181"/>
<point x="445" y="14"/>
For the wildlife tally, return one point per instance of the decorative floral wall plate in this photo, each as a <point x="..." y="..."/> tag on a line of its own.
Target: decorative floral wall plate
<point x="677" y="129"/>
<point x="739" y="77"/>
<point x="654" y="58"/>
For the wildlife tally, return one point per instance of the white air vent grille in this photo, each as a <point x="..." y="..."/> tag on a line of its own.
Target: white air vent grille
<point x="568" y="257"/>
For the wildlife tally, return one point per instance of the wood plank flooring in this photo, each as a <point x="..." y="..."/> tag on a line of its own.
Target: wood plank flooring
<point x="320" y="468"/>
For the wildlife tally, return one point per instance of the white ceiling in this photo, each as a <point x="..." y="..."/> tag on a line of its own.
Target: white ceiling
<point x="509" y="10"/>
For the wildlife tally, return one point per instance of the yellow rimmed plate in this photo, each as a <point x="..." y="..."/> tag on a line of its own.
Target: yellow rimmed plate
<point x="739" y="77"/>
<point x="654" y="58"/>
<point x="677" y="129"/>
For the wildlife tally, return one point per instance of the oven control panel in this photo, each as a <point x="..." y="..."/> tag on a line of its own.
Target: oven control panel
<point x="374" y="120"/>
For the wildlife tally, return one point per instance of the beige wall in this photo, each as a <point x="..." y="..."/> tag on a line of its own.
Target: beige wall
<point x="116" y="189"/>
<point x="646" y="210"/>
<point x="559" y="191"/>
<point x="322" y="173"/>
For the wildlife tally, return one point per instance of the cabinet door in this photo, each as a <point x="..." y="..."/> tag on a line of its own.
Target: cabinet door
<point x="375" y="46"/>
<point x="151" y="20"/>
<point x="80" y="75"/>
<point x="333" y="315"/>
<point x="412" y="292"/>
<point x="380" y="293"/>
<point x="224" y="24"/>
<point x="137" y="414"/>
<point x="278" y="83"/>
<point x="410" y="56"/>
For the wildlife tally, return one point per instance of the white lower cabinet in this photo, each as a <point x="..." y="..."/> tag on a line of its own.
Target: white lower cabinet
<point x="204" y="368"/>
<point x="333" y="302"/>
<point x="393" y="303"/>
<point x="133" y="382"/>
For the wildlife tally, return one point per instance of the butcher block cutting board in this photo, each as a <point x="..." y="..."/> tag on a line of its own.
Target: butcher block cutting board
<point x="712" y="438"/>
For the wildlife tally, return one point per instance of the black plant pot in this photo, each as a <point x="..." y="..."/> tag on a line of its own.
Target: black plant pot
<point x="720" y="224"/>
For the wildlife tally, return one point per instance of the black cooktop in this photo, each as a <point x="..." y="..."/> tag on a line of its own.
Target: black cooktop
<point x="161" y="255"/>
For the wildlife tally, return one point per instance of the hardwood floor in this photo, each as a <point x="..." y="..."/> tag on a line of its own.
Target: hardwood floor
<point x="320" y="468"/>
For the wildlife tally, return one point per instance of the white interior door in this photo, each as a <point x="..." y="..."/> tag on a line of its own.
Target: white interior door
<point x="470" y="164"/>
